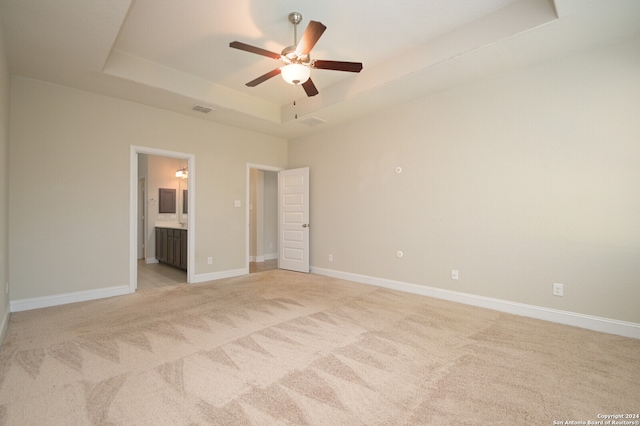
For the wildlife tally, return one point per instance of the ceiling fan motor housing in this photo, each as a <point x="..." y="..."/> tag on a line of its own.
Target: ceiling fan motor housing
<point x="291" y="56"/>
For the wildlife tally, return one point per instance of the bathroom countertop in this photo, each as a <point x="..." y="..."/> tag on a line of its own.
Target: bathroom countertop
<point x="171" y="225"/>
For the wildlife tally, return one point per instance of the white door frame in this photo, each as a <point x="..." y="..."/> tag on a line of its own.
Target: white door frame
<point x="142" y="217"/>
<point x="247" y="204"/>
<point x="133" y="210"/>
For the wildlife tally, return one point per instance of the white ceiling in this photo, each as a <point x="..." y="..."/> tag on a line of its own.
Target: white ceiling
<point x="175" y="54"/>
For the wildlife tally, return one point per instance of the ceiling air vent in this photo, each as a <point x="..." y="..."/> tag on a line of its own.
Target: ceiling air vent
<point x="313" y="121"/>
<point x="201" y="108"/>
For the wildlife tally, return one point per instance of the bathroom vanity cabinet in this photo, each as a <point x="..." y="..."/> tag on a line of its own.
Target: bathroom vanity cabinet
<point x="171" y="247"/>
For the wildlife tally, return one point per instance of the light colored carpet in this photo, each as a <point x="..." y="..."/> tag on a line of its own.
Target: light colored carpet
<point x="294" y="349"/>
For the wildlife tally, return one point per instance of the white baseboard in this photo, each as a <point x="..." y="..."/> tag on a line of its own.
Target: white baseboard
<point x="263" y="258"/>
<point x="4" y="324"/>
<point x="63" y="299"/>
<point x="605" y="325"/>
<point x="212" y="276"/>
<point x="83" y="296"/>
<point x="151" y="260"/>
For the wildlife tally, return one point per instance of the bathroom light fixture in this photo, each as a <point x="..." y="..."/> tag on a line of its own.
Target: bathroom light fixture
<point x="295" y="73"/>
<point x="182" y="173"/>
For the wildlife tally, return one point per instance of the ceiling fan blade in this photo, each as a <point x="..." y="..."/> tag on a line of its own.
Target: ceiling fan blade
<point x="338" y="65"/>
<point x="263" y="78"/>
<point x="310" y="37"/>
<point x="253" y="49"/>
<point x="310" y="88"/>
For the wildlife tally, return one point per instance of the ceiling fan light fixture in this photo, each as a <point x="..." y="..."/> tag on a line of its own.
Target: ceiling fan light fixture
<point x="295" y="74"/>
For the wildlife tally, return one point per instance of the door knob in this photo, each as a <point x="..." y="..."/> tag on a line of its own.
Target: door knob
<point x="305" y="225"/>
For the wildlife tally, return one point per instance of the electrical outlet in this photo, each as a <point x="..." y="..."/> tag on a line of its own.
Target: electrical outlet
<point x="454" y="274"/>
<point x="558" y="289"/>
<point x="210" y="260"/>
<point x="330" y="258"/>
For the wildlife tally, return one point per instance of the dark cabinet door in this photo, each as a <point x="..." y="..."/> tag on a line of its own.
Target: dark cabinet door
<point x="171" y="247"/>
<point x="183" y="250"/>
<point x="161" y="244"/>
<point x="177" y="258"/>
<point x="158" y="245"/>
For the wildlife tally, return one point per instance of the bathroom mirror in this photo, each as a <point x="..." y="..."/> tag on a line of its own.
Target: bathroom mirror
<point x="167" y="202"/>
<point x="183" y="199"/>
<point x="185" y="204"/>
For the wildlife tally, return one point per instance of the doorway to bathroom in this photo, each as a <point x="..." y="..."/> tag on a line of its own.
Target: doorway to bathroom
<point x="162" y="198"/>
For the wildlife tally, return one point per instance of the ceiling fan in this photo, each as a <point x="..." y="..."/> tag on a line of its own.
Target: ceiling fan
<point x="297" y="62"/>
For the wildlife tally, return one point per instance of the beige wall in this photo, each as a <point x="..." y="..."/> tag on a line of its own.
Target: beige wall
<point x="69" y="211"/>
<point x="4" y="180"/>
<point x="518" y="181"/>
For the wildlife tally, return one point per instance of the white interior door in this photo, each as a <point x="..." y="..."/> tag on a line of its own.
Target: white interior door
<point x="293" y="219"/>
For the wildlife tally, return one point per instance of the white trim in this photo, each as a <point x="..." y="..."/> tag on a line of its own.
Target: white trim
<point x="151" y="260"/>
<point x="212" y="276"/>
<point x="5" y="324"/>
<point x="84" y="296"/>
<point x="133" y="210"/>
<point x="270" y="256"/>
<point x="605" y="325"/>
<point x="63" y="299"/>
<point x="264" y="258"/>
<point x="247" y="202"/>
